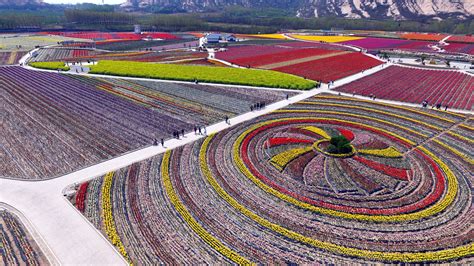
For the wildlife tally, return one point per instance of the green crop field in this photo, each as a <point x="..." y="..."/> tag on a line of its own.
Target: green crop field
<point x="50" y="65"/>
<point x="223" y="75"/>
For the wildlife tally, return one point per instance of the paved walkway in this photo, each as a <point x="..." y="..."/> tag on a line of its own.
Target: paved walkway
<point x="71" y="238"/>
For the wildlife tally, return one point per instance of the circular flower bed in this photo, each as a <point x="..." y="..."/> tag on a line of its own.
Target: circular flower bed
<point x="273" y="191"/>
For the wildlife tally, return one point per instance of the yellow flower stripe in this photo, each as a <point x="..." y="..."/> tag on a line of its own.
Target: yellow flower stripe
<point x="108" y="217"/>
<point x="440" y="255"/>
<point x="269" y="36"/>
<point x="188" y="218"/>
<point x="466" y="126"/>
<point x="358" y="116"/>
<point x="330" y="39"/>
<point x="455" y="151"/>
<point x="318" y="131"/>
<point x="371" y="110"/>
<point x="281" y="160"/>
<point x="456" y="135"/>
<point x="389" y="105"/>
<point x="452" y="187"/>
<point x="390" y="152"/>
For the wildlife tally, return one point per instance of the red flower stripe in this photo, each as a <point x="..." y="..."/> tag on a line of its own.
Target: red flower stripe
<point x="347" y="134"/>
<point x="386" y="169"/>
<point x="284" y="141"/>
<point x="81" y="196"/>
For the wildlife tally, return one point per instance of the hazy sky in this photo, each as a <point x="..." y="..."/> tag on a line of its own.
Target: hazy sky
<point x="84" y="1"/>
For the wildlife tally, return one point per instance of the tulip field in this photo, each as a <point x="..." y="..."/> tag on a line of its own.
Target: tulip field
<point x="11" y="58"/>
<point x="272" y="190"/>
<point x="223" y="75"/>
<point x="445" y="87"/>
<point x="112" y="36"/>
<point x="53" y="124"/>
<point x="17" y="247"/>
<point x="325" y="63"/>
<point x="64" y="54"/>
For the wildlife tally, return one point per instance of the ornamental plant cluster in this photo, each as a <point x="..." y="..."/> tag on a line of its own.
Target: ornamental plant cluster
<point x="223" y="75"/>
<point x="339" y="145"/>
<point x="17" y="246"/>
<point x="55" y="124"/>
<point x="251" y="195"/>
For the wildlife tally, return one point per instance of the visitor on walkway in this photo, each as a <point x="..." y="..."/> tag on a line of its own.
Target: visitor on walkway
<point x="446" y="108"/>
<point x="182" y="132"/>
<point x="163" y="143"/>
<point x="227" y="120"/>
<point x="155" y="142"/>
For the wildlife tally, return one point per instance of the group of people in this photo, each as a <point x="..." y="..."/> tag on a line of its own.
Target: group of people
<point x="200" y="130"/>
<point x="258" y="106"/>
<point x="438" y="106"/>
<point x="330" y="83"/>
<point x="155" y="142"/>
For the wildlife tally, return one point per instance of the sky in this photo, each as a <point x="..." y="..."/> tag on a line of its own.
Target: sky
<point x="84" y="1"/>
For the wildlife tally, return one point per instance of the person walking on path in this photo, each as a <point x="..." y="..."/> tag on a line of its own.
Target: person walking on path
<point x="163" y="143"/>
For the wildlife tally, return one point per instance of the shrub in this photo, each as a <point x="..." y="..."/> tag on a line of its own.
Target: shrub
<point x="339" y="145"/>
<point x="50" y="65"/>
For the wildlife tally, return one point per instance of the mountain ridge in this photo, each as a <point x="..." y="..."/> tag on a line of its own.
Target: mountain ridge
<point x="370" y="9"/>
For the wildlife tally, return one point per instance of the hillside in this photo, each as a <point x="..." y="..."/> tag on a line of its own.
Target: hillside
<point x="375" y="9"/>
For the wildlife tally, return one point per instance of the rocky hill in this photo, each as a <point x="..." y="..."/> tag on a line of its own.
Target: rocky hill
<point x="374" y="9"/>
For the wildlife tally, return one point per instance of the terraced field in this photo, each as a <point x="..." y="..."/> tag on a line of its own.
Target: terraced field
<point x="53" y="124"/>
<point x="17" y="247"/>
<point x="272" y="190"/>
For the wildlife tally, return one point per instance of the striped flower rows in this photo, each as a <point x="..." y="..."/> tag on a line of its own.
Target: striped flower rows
<point x="403" y="197"/>
<point x="16" y="245"/>
<point x="71" y="122"/>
